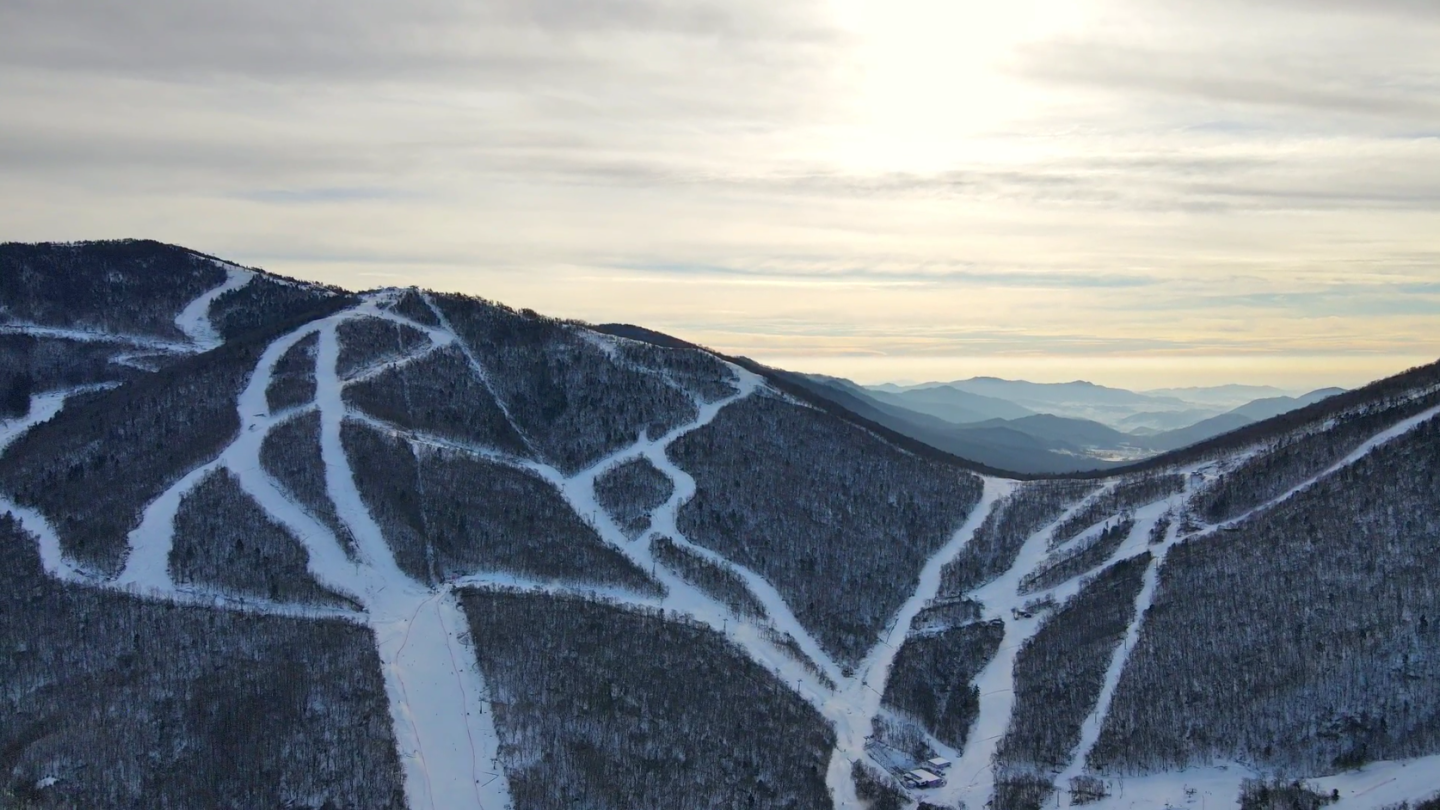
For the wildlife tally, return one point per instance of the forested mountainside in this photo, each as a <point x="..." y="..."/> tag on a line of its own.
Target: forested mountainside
<point x="265" y="543"/>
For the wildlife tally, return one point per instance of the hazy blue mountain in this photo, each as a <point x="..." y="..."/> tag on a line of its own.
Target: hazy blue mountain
<point x="1259" y="409"/>
<point x="1082" y="432"/>
<point x="953" y="404"/>
<point x="1198" y="432"/>
<point x="994" y="443"/>
<point x="1047" y="442"/>
<point x="1220" y="396"/>
<point x="1146" y="422"/>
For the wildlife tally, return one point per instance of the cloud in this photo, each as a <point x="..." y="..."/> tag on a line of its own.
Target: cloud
<point x="1267" y="61"/>
<point x="368" y="39"/>
<point x="922" y="178"/>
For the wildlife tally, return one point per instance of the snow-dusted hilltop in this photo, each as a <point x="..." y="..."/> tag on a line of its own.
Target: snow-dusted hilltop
<point x="272" y="544"/>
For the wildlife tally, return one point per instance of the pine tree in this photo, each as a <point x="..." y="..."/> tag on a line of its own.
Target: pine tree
<point x="15" y="402"/>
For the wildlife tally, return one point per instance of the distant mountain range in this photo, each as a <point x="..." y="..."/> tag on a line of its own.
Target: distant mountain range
<point x="1059" y="427"/>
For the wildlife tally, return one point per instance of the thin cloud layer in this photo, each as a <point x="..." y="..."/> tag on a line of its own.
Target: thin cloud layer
<point x="846" y="185"/>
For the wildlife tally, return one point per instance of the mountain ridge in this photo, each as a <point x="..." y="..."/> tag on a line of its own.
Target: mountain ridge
<point x="526" y="562"/>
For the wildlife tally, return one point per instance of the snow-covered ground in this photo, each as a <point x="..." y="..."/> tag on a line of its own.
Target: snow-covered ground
<point x="147" y="342"/>
<point x="861" y="695"/>
<point x="194" y="319"/>
<point x="971" y="779"/>
<point x="442" y="720"/>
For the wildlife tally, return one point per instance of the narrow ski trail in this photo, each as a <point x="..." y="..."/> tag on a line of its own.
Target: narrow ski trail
<point x="863" y="693"/>
<point x="194" y="319"/>
<point x="445" y="731"/>
<point x="971" y="778"/>
<point x="1090" y="728"/>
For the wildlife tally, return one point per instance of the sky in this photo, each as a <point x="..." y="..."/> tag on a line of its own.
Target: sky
<point x="1136" y="193"/>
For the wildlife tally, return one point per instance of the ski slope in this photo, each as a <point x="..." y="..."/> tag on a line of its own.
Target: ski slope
<point x="442" y="720"/>
<point x="194" y="320"/>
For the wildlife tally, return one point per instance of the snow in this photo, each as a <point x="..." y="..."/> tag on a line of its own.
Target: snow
<point x="482" y="373"/>
<point x="42" y="408"/>
<point x="663" y="523"/>
<point x="1090" y="729"/>
<point x="862" y="694"/>
<point x="194" y="319"/>
<point x="446" y="735"/>
<point x="1216" y="786"/>
<point x="53" y="559"/>
<point x="444" y="729"/>
<point x="972" y="779"/>
<point x="1375" y="786"/>
<point x="444" y="726"/>
<point x="147" y="567"/>
<point x="682" y="597"/>
<point x="95" y="336"/>
<point x="1383" y="783"/>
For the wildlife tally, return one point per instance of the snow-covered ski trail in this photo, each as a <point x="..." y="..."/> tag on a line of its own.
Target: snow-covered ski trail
<point x="148" y="342"/>
<point x="194" y="319"/>
<point x="481" y="372"/>
<point x="863" y="693"/>
<point x="971" y="778"/>
<point x="849" y="704"/>
<point x="1090" y="728"/>
<point x="443" y="724"/>
<point x="578" y="490"/>
<point x="663" y="522"/>
<point x="750" y="635"/>
<point x="146" y="569"/>
<point x="448" y="744"/>
<point x="1373" y="786"/>
<point x="42" y="408"/>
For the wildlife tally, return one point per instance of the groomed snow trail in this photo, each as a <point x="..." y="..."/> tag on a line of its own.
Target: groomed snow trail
<point x="56" y="564"/>
<point x="148" y="342"/>
<point x="1375" y="786"/>
<point x="682" y="598"/>
<point x="444" y="729"/>
<point x="862" y="694"/>
<point x="663" y="522"/>
<point x="1090" y="728"/>
<point x="850" y="704"/>
<point x="442" y="722"/>
<point x="972" y="779"/>
<point x="194" y="319"/>
<point x="42" y="408"/>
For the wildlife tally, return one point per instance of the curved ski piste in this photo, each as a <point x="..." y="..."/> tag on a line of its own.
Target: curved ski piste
<point x="194" y="319"/>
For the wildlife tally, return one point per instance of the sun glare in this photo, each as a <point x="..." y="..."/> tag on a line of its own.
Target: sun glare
<point x="934" y="87"/>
